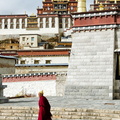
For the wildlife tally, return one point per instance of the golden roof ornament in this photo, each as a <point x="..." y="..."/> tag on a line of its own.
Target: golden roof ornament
<point x="32" y="14"/>
<point x="101" y="6"/>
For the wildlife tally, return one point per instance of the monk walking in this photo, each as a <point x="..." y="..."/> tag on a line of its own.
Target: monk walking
<point x="44" y="108"/>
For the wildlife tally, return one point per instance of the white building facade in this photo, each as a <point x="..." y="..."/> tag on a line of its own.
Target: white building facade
<point x="29" y="40"/>
<point x="34" y="61"/>
<point x="47" y="25"/>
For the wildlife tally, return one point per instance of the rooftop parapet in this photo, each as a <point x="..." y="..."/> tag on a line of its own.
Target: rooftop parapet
<point x="105" y="19"/>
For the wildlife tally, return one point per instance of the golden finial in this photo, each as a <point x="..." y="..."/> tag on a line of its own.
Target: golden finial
<point x="101" y="6"/>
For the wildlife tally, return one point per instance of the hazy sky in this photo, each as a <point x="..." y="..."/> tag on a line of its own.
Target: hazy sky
<point x="20" y="6"/>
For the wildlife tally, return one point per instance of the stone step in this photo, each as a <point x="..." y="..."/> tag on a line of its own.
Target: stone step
<point x="70" y="119"/>
<point x="31" y="113"/>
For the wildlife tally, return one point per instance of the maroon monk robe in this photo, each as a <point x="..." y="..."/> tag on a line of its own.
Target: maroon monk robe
<point x="44" y="109"/>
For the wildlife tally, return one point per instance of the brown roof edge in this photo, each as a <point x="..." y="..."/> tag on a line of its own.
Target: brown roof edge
<point x="95" y="11"/>
<point x="44" y="50"/>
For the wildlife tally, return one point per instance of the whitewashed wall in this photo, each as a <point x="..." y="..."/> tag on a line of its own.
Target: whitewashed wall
<point x="30" y="87"/>
<point x="46" y="31"/>
<point x="54" y="59"/>
<point x="28" y="41"/>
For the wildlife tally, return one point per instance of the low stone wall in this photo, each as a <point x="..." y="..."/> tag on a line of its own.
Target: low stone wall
<point x="31" y="113"/>
<point x="30" y="84"/>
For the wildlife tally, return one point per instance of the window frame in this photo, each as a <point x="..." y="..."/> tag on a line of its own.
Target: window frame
<point x="36" y="61"/>
<point x="22" y="61"/>
<point x="117" y="66"/>
<point x="47" y="61"/>
<point x="32" y="38"/>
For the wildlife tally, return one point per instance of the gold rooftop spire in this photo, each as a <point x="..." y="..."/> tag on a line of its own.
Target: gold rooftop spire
<point x="81" y="6"/>
<point x="101" y="6"/>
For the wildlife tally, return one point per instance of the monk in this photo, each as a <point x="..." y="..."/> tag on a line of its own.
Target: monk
<point x="44" y="108"/>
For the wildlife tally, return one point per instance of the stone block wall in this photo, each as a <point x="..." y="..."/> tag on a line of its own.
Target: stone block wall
<point x="117" y="81"/>
<point x="90" y="72"/>
<point x="7" y="65"/>
<point x="60" y="83"/>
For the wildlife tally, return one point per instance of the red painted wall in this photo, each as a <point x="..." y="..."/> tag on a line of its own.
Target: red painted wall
<point x="29" y="78"/>
<point x="101" y="20"/>
<point x="104" y="17"/>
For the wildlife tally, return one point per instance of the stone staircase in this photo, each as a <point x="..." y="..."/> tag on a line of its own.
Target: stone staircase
<point x="31" y="113"/>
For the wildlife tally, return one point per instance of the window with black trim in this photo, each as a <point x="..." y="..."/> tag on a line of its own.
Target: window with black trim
<point x="23" y="38"/>
<point x="36" y="61"/>
<point x="17" y="23"/>
<point x="0" y="23"/>
<point x="11" y="47"/>
<point x="5" y="23"/>
<point x="48" y="61"/>
<point x="41" y="22"/>
<point x="66" y="22"/>
<point x="32" y="38"/>
<point x="53" y="22"/>
<point x="118" y="67"/>
<point x="60" y="23"/>
<point x="22" y="62"/>
<point x="47" y="22"/>
<point x="23" y="23"/>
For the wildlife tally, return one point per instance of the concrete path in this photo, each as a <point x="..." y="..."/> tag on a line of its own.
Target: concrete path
<point x="66" y="103"/>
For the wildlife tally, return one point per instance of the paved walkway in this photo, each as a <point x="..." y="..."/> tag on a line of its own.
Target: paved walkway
<point x="66" y="103"/>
